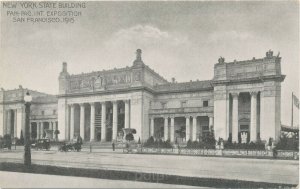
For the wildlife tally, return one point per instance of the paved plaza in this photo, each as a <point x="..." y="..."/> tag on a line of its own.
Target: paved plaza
<point x="259" y="170"/>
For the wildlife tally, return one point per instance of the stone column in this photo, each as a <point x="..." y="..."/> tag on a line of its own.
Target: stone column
<point x="52" y="129"/>
<point x="8" y="123"/>
<point x="115" y="120"/>
<point x="82" y="121"/>
<point x="4" y="122"/>
<point x="72" y="121"/>
<point x="37" y="130"/>
<point x="172" y="130"/>
<point x="166" y="134"/>
<point x="187" y="128"/>
<point x="103" y="121"/>
<point x="152" y="126"/>
<point x="194" y="138"/>
<point x="15" y="124"/>
<point x="92" y="126"/>
<point x="253" y="122"/>
<point x="235" y="117"/>
<point x="42" y="129"/>
<point x="126" y="114"/>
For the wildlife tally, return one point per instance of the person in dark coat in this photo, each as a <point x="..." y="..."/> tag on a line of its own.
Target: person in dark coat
<point x="113" y="146"/>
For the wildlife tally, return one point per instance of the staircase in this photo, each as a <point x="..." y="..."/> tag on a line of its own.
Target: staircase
<point x="98" y="118"/>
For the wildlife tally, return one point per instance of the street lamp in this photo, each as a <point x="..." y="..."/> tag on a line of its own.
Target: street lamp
<point x="27" y="154"/>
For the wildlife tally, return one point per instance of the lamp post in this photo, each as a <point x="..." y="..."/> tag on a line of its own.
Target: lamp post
<point x="27" y="154"/>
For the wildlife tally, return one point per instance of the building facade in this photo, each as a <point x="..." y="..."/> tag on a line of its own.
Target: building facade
<point x="242" y="99"/>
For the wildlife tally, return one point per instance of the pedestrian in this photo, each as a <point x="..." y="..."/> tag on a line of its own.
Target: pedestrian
<point x="113" y="146"/>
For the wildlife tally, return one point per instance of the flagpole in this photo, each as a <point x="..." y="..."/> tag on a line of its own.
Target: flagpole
<point x="292" y="109"/>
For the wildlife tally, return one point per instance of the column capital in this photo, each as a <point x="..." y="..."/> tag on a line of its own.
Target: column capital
<point x="166" y="117"/>
<point x="235" y="94"/>
<point x="126" y="101"/>
<point x="187" y="116"/>
<point x="81" y="104"/>
<point x="114" y="101"/>
<point x="92" y="103"/>
<point x="103" y="103"/>
<point x="71" y="105"/>
<point x="172" y="116"/>
<point x="253" y="93"/>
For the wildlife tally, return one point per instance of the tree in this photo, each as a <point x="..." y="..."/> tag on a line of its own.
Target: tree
<point x="150" y="142"/>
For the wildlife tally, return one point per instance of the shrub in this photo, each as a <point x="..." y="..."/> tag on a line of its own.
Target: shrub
<point x="56" y="132"/>
<point x="167" y="144"/>
<point x="259" y="145"/>
<point x="200" y="145"/>
<point x="286" y="143"/>
<point x="189" y="144"/>
<point x="157" y="143"/>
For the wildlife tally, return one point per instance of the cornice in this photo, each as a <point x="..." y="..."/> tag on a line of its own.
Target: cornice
<point x="279" y="78"/>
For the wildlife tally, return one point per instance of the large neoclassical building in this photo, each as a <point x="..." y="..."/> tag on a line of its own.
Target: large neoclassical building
<point x="243" y="98"/>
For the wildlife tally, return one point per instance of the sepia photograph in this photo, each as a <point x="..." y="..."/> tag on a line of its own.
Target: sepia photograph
<point x="149" y="94"/>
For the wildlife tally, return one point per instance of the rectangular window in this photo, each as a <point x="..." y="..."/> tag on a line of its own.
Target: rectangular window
<point x="205" y="103"/>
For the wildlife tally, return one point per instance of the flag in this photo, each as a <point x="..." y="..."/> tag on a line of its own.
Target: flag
<point x="296" y="101"/>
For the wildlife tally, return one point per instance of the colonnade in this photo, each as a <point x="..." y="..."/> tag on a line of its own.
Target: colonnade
<point x="103" y="119"/>
<point x="13" y="122"/>
<point x="40" y="127"/>
<point x="191" y="130"/>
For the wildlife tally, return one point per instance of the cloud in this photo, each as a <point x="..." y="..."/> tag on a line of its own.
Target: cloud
<point x="229" y="35"/>
<point x="146" y="36"/>
<point x="163" y="50"/>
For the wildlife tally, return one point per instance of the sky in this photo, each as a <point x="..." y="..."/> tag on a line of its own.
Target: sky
<point x="178" y="39"/>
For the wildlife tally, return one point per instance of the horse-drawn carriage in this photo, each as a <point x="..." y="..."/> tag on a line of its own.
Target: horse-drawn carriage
<point x="74" y="145"/>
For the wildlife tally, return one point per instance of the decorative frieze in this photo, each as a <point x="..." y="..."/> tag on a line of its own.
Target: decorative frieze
<point x="99" y="82"/>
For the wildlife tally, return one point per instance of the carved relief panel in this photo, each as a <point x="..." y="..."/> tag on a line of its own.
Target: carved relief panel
<point x="98" y="82"/>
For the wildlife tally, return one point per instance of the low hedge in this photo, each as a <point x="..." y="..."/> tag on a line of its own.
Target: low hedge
<point x="247" y="146"/>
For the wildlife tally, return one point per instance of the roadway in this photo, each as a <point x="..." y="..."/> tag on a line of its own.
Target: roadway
<point x="29" y="180"/>
<point x="259" y="170"/>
